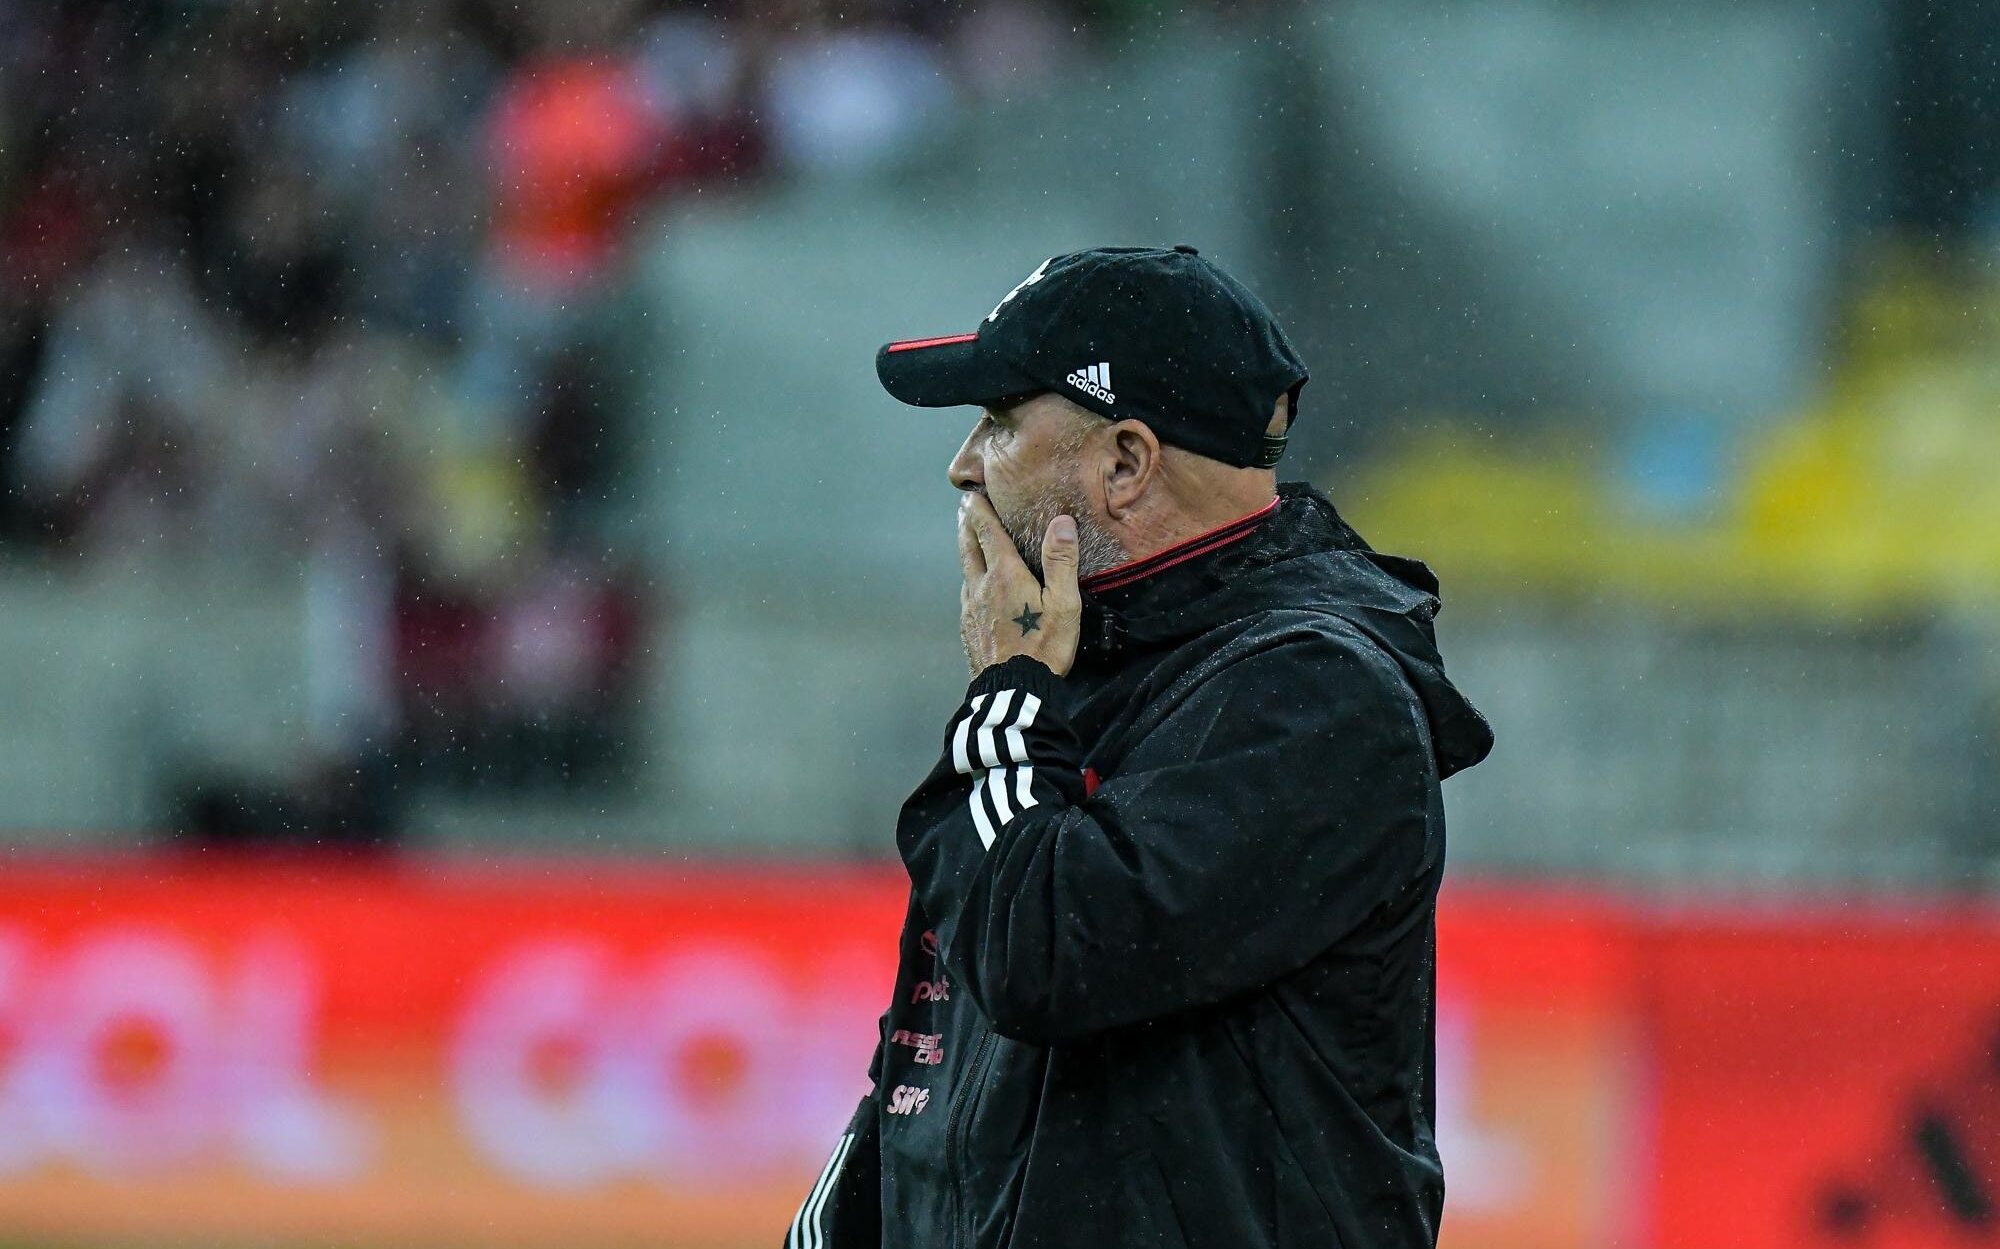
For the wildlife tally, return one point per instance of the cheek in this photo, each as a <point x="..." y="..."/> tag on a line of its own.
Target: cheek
<point x="1004" y="471"/>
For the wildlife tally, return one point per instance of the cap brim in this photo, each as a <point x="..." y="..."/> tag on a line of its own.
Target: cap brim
<point x="948" y="372"/>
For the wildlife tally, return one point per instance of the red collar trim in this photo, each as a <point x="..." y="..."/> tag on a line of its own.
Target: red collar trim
<point x="1179" y="553"/>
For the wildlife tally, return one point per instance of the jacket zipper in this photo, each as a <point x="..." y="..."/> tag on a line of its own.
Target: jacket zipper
<point x="975" y="1071"/>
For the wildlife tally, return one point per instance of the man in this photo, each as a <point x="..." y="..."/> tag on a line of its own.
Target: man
<point x="1167" y="973"/>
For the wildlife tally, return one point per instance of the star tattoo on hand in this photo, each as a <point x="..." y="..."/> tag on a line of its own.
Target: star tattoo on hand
<point x="1028" y="620"/>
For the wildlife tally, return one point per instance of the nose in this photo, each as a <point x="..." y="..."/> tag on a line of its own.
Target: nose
<point x="968" y="470"/>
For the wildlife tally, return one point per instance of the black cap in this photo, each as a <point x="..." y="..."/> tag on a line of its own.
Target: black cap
<point x="1158" y="334"/>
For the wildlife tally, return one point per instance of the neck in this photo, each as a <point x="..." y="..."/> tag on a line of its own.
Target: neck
<point x="1146" y="535"/>
<point x="1193" y="537"/>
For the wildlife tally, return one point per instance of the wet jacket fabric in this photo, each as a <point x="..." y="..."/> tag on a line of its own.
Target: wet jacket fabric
<point x="1167" y="974"/>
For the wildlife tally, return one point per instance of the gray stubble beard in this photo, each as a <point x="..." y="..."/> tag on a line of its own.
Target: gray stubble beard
<point x="1096" y="548"/>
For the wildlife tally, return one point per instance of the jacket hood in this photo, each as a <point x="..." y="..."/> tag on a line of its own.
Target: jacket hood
<point x="1303" y="555"/>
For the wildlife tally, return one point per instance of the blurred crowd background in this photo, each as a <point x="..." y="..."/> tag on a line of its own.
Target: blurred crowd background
<point x="446" y="433"/>
<point x="450" y="424"/>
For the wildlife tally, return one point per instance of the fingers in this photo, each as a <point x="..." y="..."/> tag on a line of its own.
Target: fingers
<point x="994" y="544"/>
<point x="971" y="560"/>
<point x="1059" y="590"/>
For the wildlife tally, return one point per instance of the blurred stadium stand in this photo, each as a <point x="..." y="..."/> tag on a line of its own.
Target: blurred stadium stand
<point x="447" y="431"/>
<point x="452" y="427"/>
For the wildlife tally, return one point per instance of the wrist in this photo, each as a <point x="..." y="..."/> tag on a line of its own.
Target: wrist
<point x="1019" y="672"/>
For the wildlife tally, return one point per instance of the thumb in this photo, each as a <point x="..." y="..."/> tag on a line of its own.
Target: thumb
<point x="1059" y="563"/>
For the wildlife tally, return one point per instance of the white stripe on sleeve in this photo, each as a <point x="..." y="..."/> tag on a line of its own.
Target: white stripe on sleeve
<point x="1024" y="780"/>
<point x="980" y="823"/>
<point x="959" y="759"/>
<point x="805" y="1228"/>
<point x="996" y="786"/>
<point x="813" y="1228"/>
<point x="994" y="715"/>
<point x="1030" y="704"/>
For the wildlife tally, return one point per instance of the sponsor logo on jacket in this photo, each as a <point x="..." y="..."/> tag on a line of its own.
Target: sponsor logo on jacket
<point x="927" y="1045"/>
<point x="908" y="1099"/>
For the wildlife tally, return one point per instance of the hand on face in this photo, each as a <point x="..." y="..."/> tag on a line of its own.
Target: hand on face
<point x="1003" y="609"/>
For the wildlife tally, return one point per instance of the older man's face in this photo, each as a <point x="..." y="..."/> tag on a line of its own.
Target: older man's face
<point x="1030" y="460"/>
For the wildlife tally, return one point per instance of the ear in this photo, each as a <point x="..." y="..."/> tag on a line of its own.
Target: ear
<point x="1134" y="463"/>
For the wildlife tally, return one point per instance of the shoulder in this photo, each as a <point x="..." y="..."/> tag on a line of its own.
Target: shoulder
<point x="1305" y="660"/>
<point x="1312" y="640"/>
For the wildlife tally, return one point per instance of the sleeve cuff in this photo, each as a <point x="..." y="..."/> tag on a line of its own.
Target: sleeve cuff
<point x="1013" y="739"/>
<point x="1022" y="672"/>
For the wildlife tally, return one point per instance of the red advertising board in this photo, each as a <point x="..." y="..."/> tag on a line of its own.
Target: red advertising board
<point x="1537" y="1103"/>
<point x="259" y="1053"/>
<point x="1826" y="1077"/>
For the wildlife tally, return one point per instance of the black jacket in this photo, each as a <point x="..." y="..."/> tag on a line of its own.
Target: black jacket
<point x="1167" y="974"/>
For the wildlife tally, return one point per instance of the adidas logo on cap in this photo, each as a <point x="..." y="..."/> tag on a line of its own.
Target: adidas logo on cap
<point x="1094" y="379"/>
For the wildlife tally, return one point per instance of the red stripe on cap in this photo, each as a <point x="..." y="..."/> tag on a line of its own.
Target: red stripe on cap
<point x="912" y="344"/>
